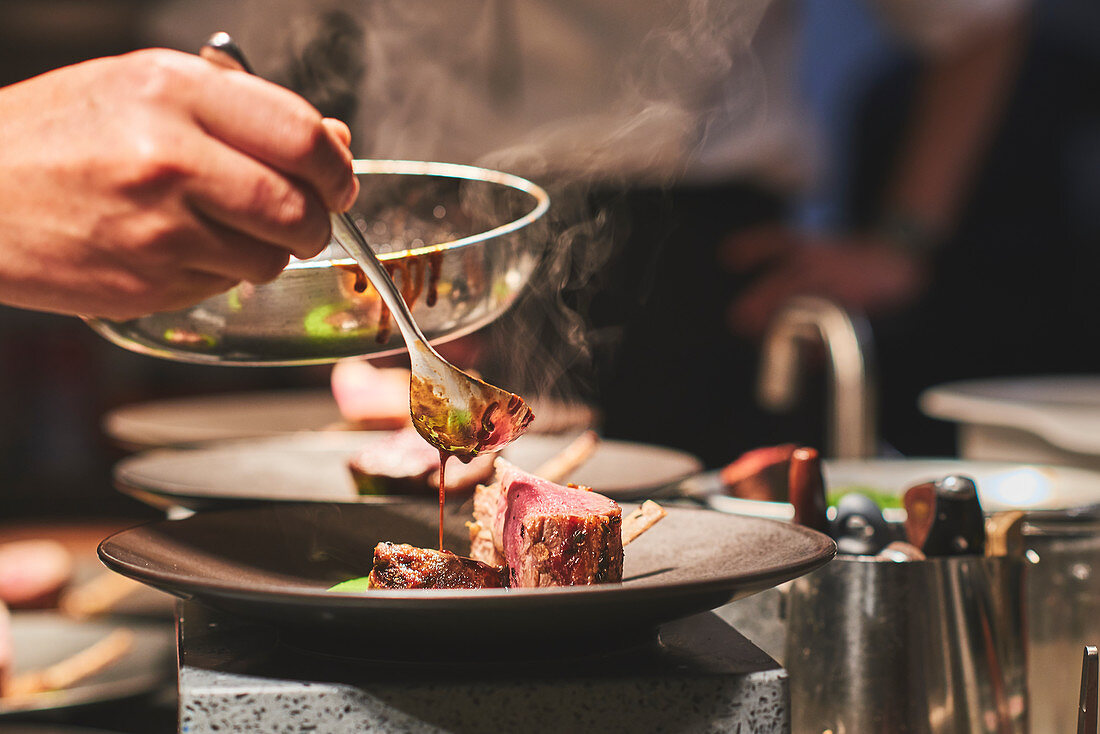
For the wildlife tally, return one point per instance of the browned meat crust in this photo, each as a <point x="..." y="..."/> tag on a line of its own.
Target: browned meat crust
<point x="402" y="566"/>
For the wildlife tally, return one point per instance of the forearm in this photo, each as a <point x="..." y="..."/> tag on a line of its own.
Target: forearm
<point x="960" y="99"/>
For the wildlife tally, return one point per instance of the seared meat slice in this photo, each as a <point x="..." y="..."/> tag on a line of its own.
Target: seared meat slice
<point x="404" y="463"/>
<point x="401" y="566"/>
<point x="483" y="546"/>
<point x="371" y="399"/>
<point x="552" y="535"/>
<point x="33" y="573"/>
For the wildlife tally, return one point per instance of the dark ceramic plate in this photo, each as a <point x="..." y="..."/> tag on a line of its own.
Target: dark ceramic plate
<point x="161" y="423"/>
<point x="312" y="467"/>
<point x="41" y="639"/>
<point x="275" y="562"/>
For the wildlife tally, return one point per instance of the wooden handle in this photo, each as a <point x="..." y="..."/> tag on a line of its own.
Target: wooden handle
<point x="807" y="489"/>
<point x="920" y="512"/>
<point x="1004" y="535"/>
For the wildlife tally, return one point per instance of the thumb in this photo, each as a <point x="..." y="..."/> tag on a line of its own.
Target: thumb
<point x="338" y="129"/>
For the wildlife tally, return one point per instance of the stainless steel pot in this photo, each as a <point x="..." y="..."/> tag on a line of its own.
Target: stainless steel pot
<point x="1063" y="613"/>
<point x="1061" y="593"/>
<point x="928" y="647"/>
<point x="461" y="242"/>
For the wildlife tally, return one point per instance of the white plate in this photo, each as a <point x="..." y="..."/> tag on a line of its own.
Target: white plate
<point x="1001" y="486"/>
<point x="43" y="638"/>
<point x="1062" y="410"/>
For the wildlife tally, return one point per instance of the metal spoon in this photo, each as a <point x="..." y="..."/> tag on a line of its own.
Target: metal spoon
<point x="456" y="413"/>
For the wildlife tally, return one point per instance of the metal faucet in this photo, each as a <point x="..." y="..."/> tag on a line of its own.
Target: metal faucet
<point x="852" y="426"/>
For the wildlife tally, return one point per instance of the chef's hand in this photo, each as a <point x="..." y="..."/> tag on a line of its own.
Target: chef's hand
<point x="149" y="181"/>
<point x="863" y="273"/>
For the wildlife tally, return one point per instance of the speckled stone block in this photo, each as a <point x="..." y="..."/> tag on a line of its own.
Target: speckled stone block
<point x="237" y="676"/>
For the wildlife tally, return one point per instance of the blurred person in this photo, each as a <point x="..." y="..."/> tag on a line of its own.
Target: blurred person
<point x="746" y="260"/>
<point x="673" y="139"/>
<point x="884" y="266"/>
<point x="149" y="181"/>
<point x="1013" y="280"/>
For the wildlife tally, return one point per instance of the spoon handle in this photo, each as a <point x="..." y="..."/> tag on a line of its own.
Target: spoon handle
<point x="222" y="50"/>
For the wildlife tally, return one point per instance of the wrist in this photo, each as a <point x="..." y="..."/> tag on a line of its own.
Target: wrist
<point x="908" y="234"/>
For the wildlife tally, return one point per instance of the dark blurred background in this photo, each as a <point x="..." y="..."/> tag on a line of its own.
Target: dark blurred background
<point x="1015" y="291"/>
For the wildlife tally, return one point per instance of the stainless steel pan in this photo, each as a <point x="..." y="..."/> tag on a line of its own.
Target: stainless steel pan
<point x="461" y="242"/>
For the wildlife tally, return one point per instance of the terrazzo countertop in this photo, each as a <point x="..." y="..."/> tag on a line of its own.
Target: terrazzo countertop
<point x="703" y="676"/>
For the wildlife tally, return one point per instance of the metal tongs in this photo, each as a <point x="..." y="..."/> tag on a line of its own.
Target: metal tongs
<point x="455" y="412"/>
<point x="1086" y="706"/>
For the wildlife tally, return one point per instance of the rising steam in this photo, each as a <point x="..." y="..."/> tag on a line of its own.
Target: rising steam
<point x="543" y="90"/>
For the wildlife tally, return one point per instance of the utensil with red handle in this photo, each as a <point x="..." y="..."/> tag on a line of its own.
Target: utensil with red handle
<point x="807" y="489"/>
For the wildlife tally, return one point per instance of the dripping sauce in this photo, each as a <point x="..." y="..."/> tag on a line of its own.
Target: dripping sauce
<point x="443" y="456"/>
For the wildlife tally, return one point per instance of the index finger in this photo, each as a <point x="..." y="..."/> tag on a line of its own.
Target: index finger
<point x="279" y="128"/>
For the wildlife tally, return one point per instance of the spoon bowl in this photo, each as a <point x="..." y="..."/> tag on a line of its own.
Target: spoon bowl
<point x="460" y="414"/>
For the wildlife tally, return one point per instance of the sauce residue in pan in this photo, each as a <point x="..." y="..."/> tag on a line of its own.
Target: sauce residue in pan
<point x="415" y="273"/>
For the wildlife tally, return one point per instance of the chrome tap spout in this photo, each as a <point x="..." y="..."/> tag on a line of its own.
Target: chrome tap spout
<point x="852" y="425"/>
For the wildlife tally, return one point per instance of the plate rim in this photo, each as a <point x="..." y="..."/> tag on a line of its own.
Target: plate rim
<point x="123" y="480"/>
<point x="464" y="598"/>
<point x="89" y="694"/>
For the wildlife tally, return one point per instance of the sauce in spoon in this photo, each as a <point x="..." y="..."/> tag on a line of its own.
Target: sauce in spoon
<point x="485" y="427"/>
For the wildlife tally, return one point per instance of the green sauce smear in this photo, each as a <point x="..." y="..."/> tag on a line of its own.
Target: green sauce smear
<point x="352" y="586"/>
<point x="884" y="500"/>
